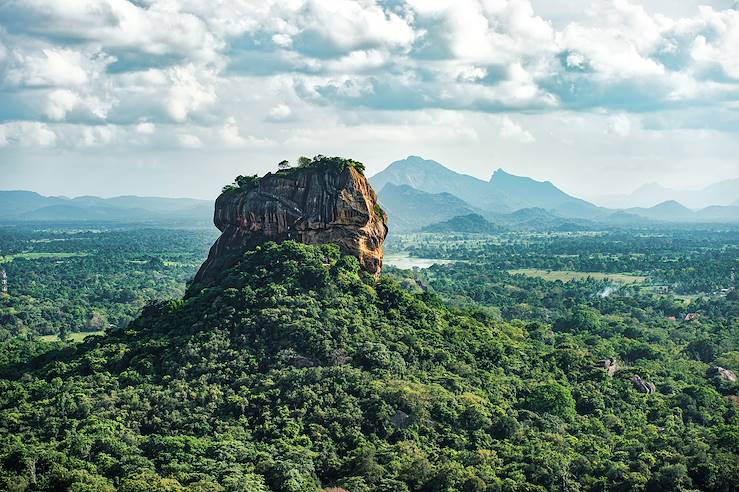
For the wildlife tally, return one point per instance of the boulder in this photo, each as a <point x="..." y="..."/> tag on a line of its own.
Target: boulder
<point x="611" y="366"/>
<point x="400" y="419"/>
<point x="725" y="374"/>
<point x="643" y="386"/>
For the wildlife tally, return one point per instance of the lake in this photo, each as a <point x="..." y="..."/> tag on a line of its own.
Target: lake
<point x="400" y="260"/>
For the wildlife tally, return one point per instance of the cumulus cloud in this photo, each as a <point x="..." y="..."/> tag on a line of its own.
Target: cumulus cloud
<point x="123" y="28"/>
<point x="25" y="133"/>
<point x="145" y="128"/>
<point x="231" y="135"/>
<point x="188" y="92"/>
<point x="187" y="62"/>
<point x="48" y="67"/>
<point x="93" y="136"/>
<point x="59" y="102"/>
<point x="619" y="125"/>
<point x="280" y="112"/>
<point x="513" y="131"/>
<point x="189" y="141"/>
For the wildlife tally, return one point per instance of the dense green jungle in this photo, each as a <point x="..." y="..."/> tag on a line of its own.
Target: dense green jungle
<point x="512" y="361"/>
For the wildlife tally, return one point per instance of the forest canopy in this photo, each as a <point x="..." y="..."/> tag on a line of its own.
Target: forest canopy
<point x="298" y="372"/>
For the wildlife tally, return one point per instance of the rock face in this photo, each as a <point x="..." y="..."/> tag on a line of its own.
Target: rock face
<point x="611" y="366"/>
<point x="643" y="386"/>
<point x="725" y="374"/>
<point x="312" y="205"/>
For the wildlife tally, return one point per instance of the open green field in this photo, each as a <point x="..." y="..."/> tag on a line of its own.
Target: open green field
<point x="566" y="276"/>
<point x="38" y="256"/>
<point x="73" y="337"/>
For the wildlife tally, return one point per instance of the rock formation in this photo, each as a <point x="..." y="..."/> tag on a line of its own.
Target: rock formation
<point x="643" y="386"/>
<point x="327" y="201"/>
<point x="611" y="366"/>
<point x="725" y="374"/>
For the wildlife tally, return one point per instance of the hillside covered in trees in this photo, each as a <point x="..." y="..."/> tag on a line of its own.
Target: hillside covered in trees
<point x="297" y="372"/>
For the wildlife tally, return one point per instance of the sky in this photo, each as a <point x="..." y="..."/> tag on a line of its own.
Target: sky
<point x="176" y="97"/>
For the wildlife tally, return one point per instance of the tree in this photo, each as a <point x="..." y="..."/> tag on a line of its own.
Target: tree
<point x="702" y="349"/>
<point x="551" y="397"/>
<point x="283" y="164"/>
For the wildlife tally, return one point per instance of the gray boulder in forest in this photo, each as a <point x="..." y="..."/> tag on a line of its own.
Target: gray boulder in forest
<point x="611" y="366"/>
<point x="643" y="386"/>
<point x="723" y="373"/>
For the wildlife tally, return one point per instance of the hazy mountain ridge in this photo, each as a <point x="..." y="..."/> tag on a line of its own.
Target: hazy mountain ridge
<point x="722" y="193"/>
<point x="432" y="177"/>
<point x="673" y="211"/>
<point x="20" y="205"/>
<point x="471" y="223"/>
<point x="411" y="209"/>
<point x="503" y="193"/>
<point x="417" y="192"/>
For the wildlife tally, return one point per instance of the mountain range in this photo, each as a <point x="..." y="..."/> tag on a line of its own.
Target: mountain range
<point x="503" y="193"/>
<point x="723" y="193"/>
<point x="672" y="211"/>
<point x="18" y="205"/>
<point x="418" y="193"/>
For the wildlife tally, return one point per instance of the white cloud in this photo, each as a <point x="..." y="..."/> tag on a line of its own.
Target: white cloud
<point x="512" y="131"/>
<point x="722" y="50"/>
<point x="93" y="136"/>
<point x="48" y="67"/>
<point x="188" y="92"/>
<point x="231" y="136"/>
<point x="280" y="112"/>
<point x="180" y="60"/>
<point x="59" y="102"/>
<point x="345" y="25"/>
<point x="172" y="72"/>
<point x="189" y="141"/>
<point x="619" y="125"/>
<point x="26" y="134"/>
<point x="160" y="28"/>
<point x="145" y="128"/>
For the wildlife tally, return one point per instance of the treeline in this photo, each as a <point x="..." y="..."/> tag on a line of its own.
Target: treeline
<point x="688" y="262"/>
<point x="297" y="372"/>
<point x="67" y="281"/>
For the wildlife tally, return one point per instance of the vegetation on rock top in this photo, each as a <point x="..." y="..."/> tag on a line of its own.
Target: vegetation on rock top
<point x="336" y="164"/>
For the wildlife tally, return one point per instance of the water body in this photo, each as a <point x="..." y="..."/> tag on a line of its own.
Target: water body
<point x="407" y="262"/>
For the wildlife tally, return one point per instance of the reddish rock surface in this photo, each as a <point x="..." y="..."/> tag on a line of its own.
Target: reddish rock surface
<point x="314" y="205"/>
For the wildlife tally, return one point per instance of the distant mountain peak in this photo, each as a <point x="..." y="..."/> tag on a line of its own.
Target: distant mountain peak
<point x="671" y="205"/>
<point x="415" y="160"/>
<point x="504" y="192"/>
<point x="501" y="174"/>
<point x="652" y="185"/>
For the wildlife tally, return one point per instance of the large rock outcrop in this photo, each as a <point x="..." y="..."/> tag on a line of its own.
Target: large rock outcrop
<point x="725" y="374"/>
<point x="327" y="202"/>
<point x="643" y="386"/>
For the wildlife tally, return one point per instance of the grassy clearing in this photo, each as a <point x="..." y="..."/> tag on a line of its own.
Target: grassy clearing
<point x="687" y="298"/>
<point x="566" y="275"/>
<point x="39" y="256"/>
<point x="72" y="337"/>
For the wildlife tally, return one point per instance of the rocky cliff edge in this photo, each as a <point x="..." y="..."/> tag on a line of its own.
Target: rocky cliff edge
<point x="326" y="200"/>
